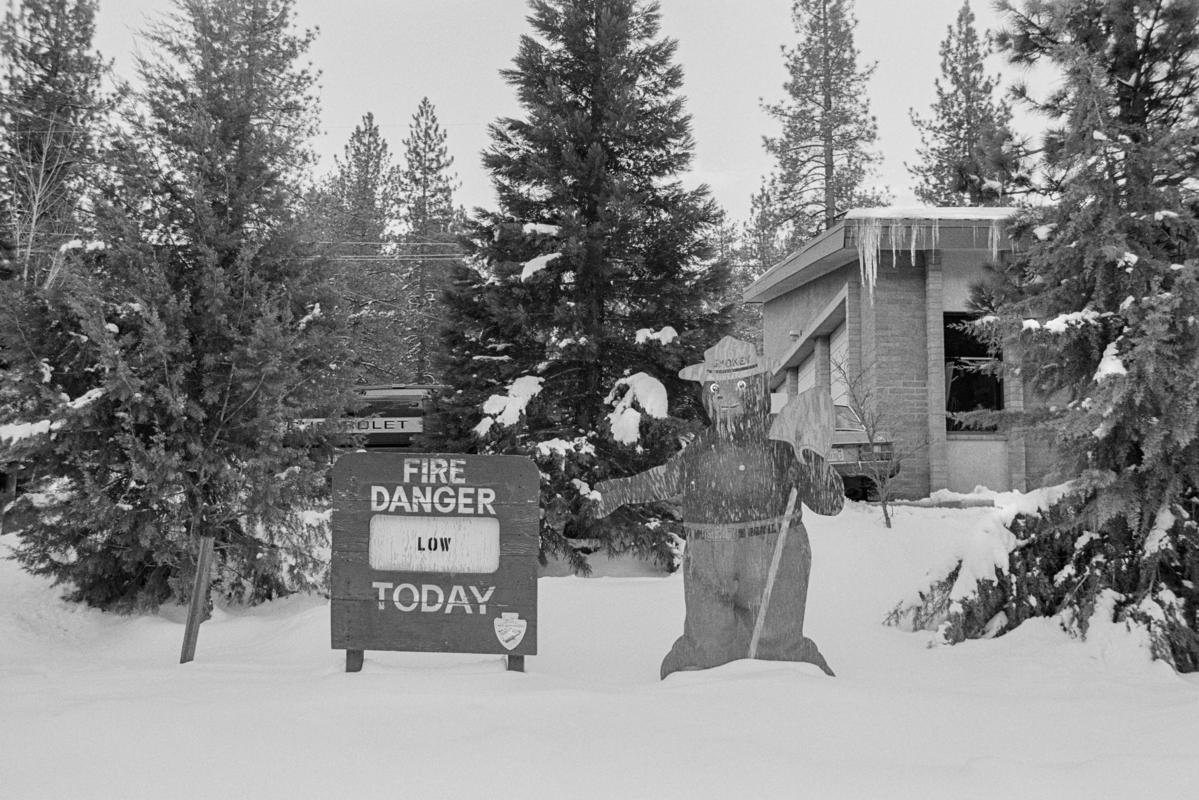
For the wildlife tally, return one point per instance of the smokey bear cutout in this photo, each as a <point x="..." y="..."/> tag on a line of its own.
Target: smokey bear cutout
<point x="740" y="485"/>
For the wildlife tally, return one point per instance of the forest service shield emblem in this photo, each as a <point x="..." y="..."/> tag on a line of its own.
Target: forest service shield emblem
<point x="510" y="629"/>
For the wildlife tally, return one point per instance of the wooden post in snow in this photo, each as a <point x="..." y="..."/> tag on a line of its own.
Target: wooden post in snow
<point x="199" y="599"/>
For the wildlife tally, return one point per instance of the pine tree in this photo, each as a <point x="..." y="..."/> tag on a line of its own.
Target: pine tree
<point x="1102" y="296"/>
<point x="432" y="226"/>
<point x="737" y="249"/>
<point x="194" y="337"/>
<point x="824" y="152"/>
<point x="50" y="103"/>
<point x="357" y="204"/>
<point x="765" y="244"/>
<point x="355" y="215"/>
<point x="557" y="331"/>
<point x="968" y="156"/>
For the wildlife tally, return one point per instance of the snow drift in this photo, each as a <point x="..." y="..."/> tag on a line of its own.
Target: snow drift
<point x="95" y="705"/>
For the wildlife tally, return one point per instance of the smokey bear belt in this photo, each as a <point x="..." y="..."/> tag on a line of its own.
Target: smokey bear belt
<point x="716" y="531"/>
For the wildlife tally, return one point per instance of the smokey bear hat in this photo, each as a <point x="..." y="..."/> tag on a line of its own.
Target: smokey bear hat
<point x="727" y="360"/>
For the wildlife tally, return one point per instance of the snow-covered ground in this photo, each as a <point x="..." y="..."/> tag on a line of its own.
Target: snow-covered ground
<point x="96" y="706"/>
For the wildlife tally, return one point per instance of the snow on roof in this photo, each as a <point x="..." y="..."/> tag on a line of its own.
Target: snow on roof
<point x="933" y="212"/>
<point x="901" y="227"/>
<point x="920" y="226"/>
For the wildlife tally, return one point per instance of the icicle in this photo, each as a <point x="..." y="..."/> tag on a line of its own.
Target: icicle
<point x="993" y="238"/>
<point x="919" y="234"/>
<point x="894" y="234"/>
<point x="869" y="236"/>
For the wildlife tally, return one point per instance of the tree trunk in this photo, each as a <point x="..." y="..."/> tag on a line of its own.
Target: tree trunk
<point x="826" y="126"/>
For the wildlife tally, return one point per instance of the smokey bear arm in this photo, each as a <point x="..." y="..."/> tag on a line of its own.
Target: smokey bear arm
<point x="659" y="483"/>
<point x="820" y="487"/>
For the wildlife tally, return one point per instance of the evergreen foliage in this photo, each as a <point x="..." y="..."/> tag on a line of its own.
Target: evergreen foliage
<point x="50" y="102"/>
<point x="358" y="203"/>
<point x="175" y="357"/>
<point x="355" y="215"/>
<point x="824" y="153"/>
<point x="968" y="155"/>
<point x="764" y="242"/>
<point x="431" y="229"/>
<point x="737" y="248"/>
<point x="1101" y="297"/>
<point x="392" y="231"/>
<point x="594" y="240"/>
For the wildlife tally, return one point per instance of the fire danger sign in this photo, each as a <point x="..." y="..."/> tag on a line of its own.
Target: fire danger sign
<point x="434" y="552"/>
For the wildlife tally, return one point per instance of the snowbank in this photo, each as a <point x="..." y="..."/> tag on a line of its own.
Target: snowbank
<point x="985" y="547"/>
<point x="97" y="706"/>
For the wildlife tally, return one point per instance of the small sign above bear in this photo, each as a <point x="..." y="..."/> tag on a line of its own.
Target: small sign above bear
<point x="434" y="553"/>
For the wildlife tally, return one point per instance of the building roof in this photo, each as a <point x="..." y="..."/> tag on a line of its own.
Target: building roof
<point x="863" y="233"/>
<point x="943" y="213"/>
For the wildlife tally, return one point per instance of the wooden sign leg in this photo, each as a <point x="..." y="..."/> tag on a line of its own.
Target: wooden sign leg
<point x="354" y="660"/>
<point x="199" y="600"/>
<point x="516" y="663"/>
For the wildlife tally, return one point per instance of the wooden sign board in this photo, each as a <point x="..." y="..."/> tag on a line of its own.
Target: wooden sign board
<point x="435" y="553"/>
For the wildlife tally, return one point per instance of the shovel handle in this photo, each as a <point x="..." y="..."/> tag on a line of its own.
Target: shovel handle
<point x="760" y="622"/>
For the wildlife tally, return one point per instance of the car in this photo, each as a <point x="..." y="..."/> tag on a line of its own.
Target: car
<point x="388" y="417"/>
<point x="855" y="457"/>
<point x="391" y="415"/>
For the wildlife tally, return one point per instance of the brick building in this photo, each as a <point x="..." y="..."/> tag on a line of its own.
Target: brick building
<point x="882" y="294"/>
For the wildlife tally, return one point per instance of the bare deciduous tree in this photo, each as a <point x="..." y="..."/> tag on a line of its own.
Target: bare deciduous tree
<point x="887" y="456"/>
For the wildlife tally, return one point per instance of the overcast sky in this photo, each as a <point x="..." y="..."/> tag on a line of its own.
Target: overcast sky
<point x="383" y="56"/>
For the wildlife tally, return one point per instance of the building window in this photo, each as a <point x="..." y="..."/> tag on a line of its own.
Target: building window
<point x="971" y="383"/>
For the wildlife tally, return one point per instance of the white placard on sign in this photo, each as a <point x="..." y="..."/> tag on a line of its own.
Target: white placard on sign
<point x="434" y="544"/>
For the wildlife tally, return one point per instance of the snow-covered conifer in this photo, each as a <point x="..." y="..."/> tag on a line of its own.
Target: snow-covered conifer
<point x="184" y="348"/>
<point x="594" y="239"/>
<point x="1101" y="298"/>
